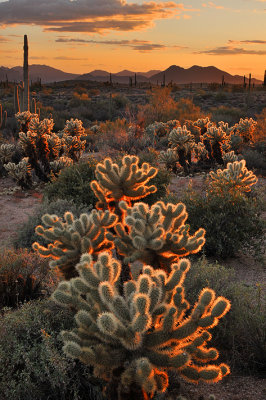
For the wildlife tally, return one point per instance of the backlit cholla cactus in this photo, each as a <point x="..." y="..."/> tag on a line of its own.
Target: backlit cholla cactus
<point x="6" y="152"/>
<point x="55" y="145"/>
<point x="24" y="119"/>
<point x="200" y="152"/>
<point x="35" y="146"/>
<point x="20" y="172"/>
<point x="217" y="138"/>
<point x="229" y="157"/>
<point x="74" y="237"/>
<point x="225" y="127"/>
<point x="73" y="145"/>
<point x="172" y="124"/>
<point x="245" y="128"/>
<point x="203" y="124"/>
<point x="74" y="127"/>
<point x="235" y="179"/>
<point x="155" y="235"/>
<point x="181" y="141"/>
<point x="128" y="182"/>
<point x="157" y="129"/>
<point x="132" y="339"/>
<point x="59" y="164"/>
<point x="169" y="158"/>
<point x="194" y="130"/>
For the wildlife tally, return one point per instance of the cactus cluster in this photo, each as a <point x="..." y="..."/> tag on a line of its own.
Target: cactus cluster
<point x="132" y="328"/>
<point x="48" y="152"/>
<point x="142" y="333"/>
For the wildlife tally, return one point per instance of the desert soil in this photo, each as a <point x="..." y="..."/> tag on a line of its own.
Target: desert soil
<point x="16" y="206"/>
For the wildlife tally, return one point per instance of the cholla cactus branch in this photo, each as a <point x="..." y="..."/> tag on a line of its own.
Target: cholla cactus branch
<point x="181" y="141"/>
<point x="142" y="333"/>
<point x="128" y="182"/>
<point x="73" y="237"/>
<point x="217" y="138"/>
<point x="155" y="235"/>
<point x="6" y="152"/>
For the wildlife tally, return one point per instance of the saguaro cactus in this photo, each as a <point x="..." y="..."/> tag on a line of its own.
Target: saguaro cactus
<point x="133" y="339"/>
<point x="26" y="93"/>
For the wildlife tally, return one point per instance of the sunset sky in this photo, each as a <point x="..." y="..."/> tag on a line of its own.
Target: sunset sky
<point x="81" y="35"/>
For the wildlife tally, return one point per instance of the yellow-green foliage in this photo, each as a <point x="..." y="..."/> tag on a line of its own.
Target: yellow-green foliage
<point x="235" y="179"/>
<point x="74" y="237"/>
<point x="155" y="235"/>
<point x="140" y="334"/>
<point x="128" y="182"/>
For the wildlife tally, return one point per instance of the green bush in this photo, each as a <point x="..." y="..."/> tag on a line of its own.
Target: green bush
<point x="73" y="183"/>
<point x="255" y="160"/>
<point x="241" y="335"/>
<point x="33" y="365"/>
<point x="23" y="276"/>
<point x="26" y="235"/>
<point x="232" y="224"/>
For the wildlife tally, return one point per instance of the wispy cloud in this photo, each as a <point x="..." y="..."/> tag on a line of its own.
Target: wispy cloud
<point x="87" y="15"/>
<point x="210" y="4"/>
<point x="247" y="41"/>
<point x="4" y="39"/>
<point x="135" y="44"/>
<point x="230" y="50"/>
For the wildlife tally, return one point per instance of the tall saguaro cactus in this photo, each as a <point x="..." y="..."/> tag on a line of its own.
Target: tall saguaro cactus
<point x="26" y="96"/>
<point x="22" y="91"/>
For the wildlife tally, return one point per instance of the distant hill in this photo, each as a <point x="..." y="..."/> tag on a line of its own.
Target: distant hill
<point x="36" y="71"/>
<point x="174" y="73"/>
<point x="197" y="74"/>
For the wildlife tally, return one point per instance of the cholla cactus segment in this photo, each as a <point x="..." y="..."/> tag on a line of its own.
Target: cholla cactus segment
<point x="140" y="335"/>
<point x="180" y="137"/>
<point x="155" y="235"/>
<point x="6" y="152"/>
<point x="69" y="239"/>
<point x="169" y="158"/>
<point x="20" y="172"/>
<point x="194" y="129"/>
<point x="61" y="163"/>
<point x="230" y="157"/>
<point x="74" y="127"/>
<point x="128" y="182"/>
<point x="73" y="146"/>
<point x="235" y="179"/>
<point x="225" y="127"/>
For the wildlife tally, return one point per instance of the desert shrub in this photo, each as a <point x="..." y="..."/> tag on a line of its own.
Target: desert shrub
<point x="241" y="334"/>
<point x="232" y="223"/>
<point x="187" y="110"/>
<point x="255" y="160"/>
<point x="231" y="115"/>
<point x="26" y="235"/>
<point x="33" y="365"/>
<point x="73" y="183"/>
<point x="23" y="275"/>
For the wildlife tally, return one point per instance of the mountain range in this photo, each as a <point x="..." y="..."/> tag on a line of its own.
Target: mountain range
<point x="174" y="73"/>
